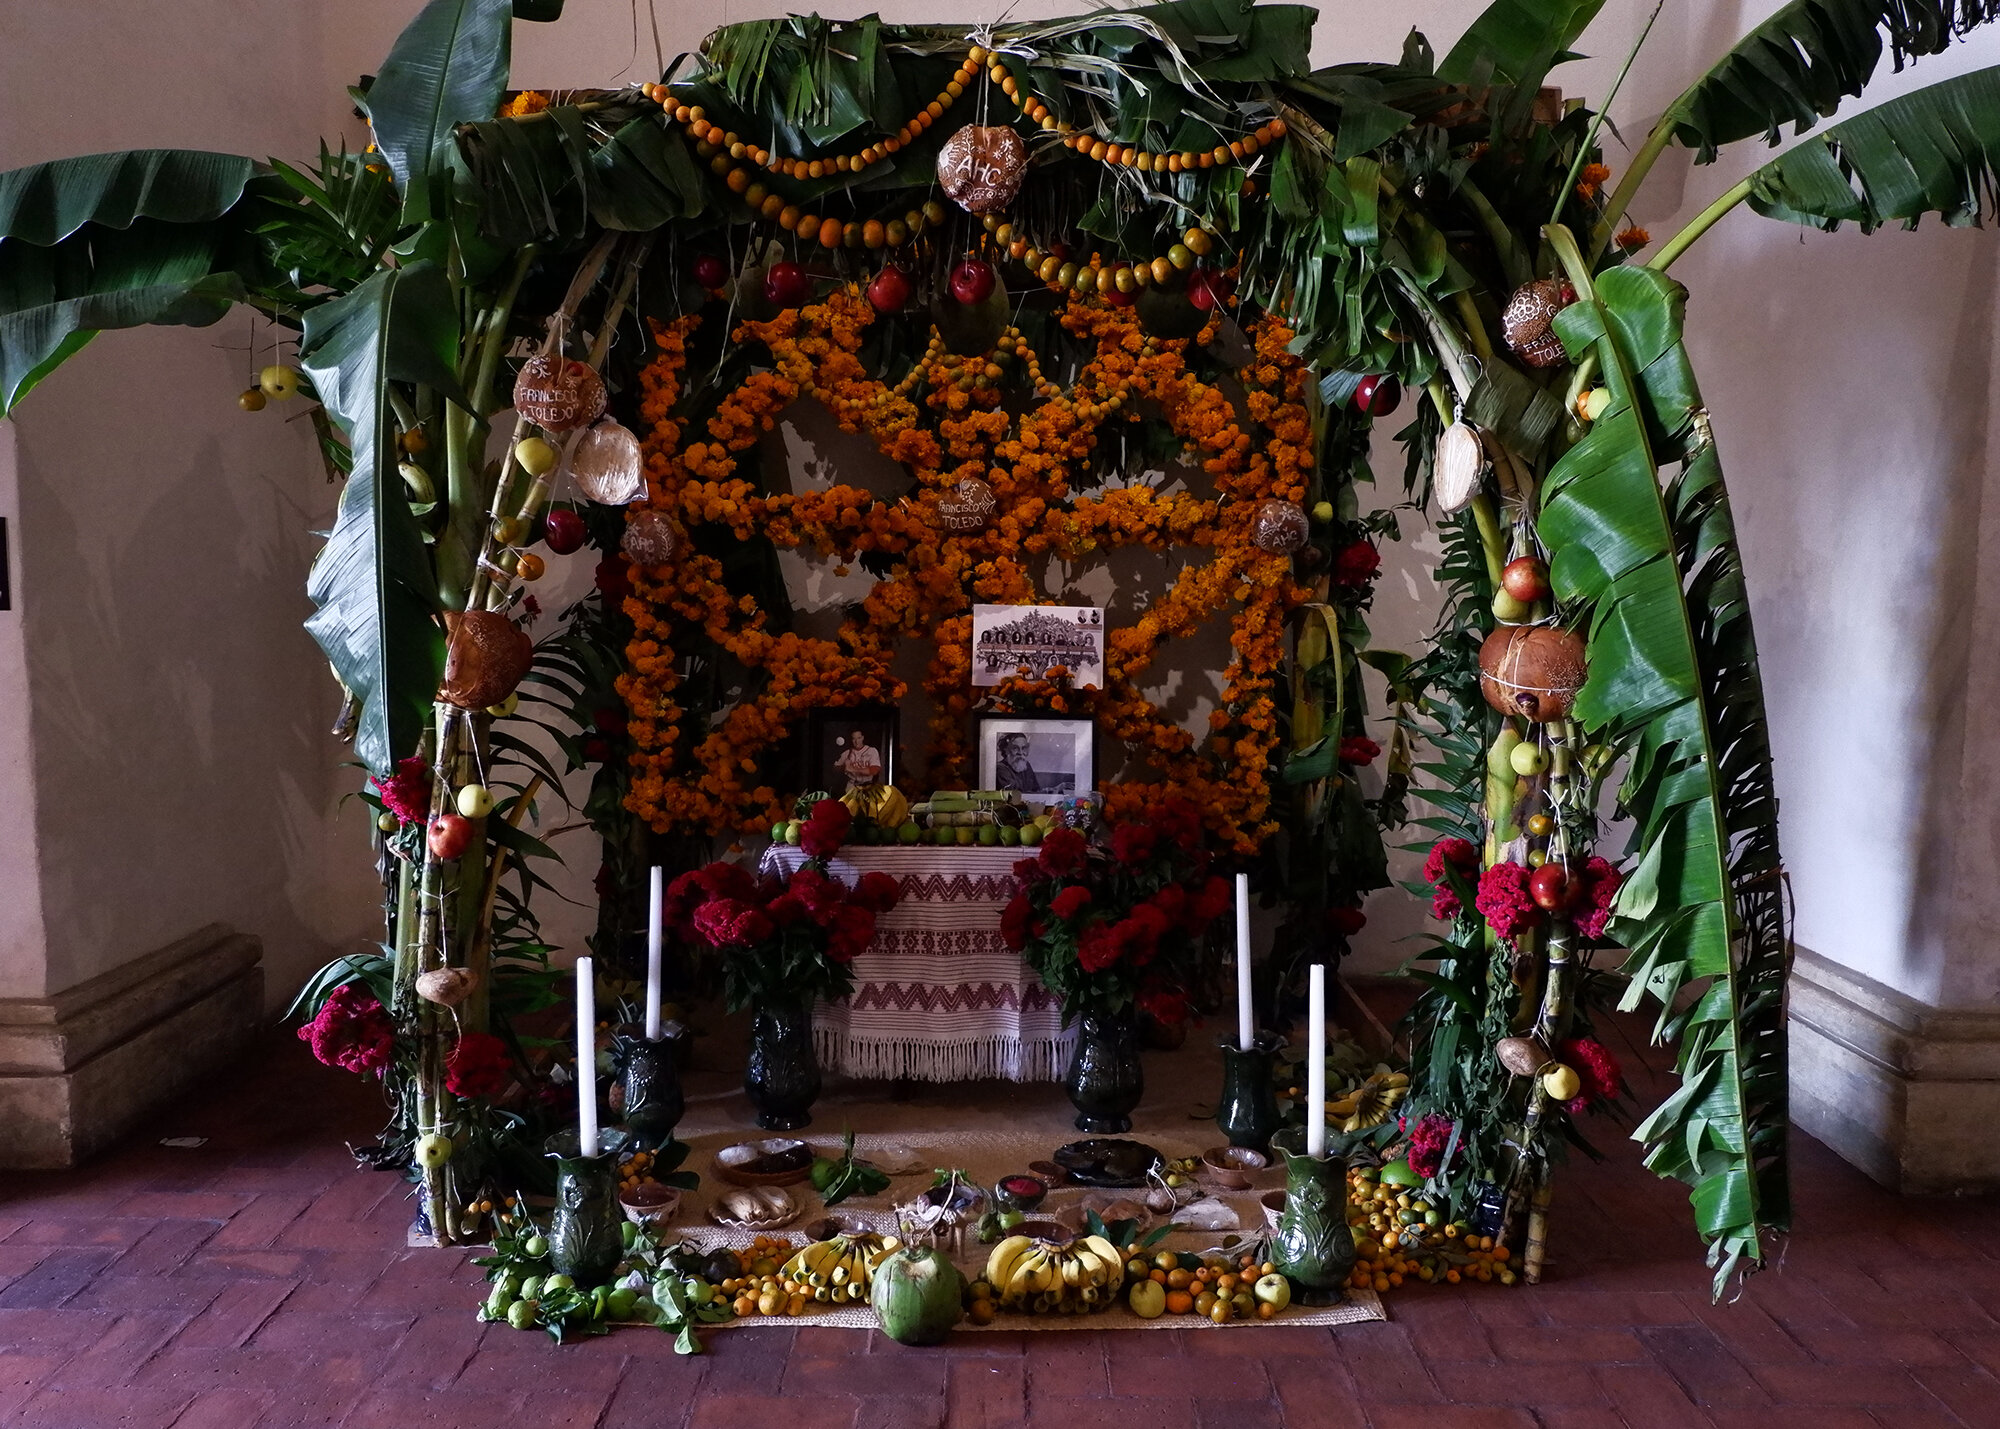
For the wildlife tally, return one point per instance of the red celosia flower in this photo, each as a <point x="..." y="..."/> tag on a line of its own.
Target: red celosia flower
<point x="478" y="1066"/>
<point x="1461" y="855"/>
<point x="1600" y="882"/>
<point x="407" y="792"/>
<point x="877" y="892"/>
<point x="1597" y="1071"/>
<point x="716" y="921"/>
<point x="1356" y="564"/>
<point x="786" y="909"/>
<point x="1014" y="921"/>
<point x="1133" y="843"/>
<point x="849" y="932"/>
<point x="820" y="893"/>
<point x="1359" y="751"/>
<point x="1179" y="822"/>
<point x="1167" y="1006"/>
<point x="1098" y="948"/>
<point x="1172" y="901"/>
<point x="1212" y="902"/>
<point x="1504" y="901"/>
<point x="1428" y="1140"/>
<point x="1070" y="902"/>
<point x="751" y="927"/>
<point x="1141" y="931"/>
<point x="1063" y="852"/>
<point x="826" y="829"/>
<point x="352" y="1031"/>
<point x="1346" y="921"/>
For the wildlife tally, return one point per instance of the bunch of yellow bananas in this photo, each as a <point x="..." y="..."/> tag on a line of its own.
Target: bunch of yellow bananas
<point x="1043" y="1277"/>
<point x="838" y="1270"/>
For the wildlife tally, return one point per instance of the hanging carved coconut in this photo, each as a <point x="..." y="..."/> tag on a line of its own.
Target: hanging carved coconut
<point x="557" y="394"/>
<point x="968" y="507"/>
<point x="1458" y="467"/>
<point x="485" y="656"/>
<point x="447" y="987"/>
<point x="1280" y="527"/>
<point x="607" y="465"/>
<point x="1528" y="323"/>
<point x="981" y="167"/>
<point x="1532" y="670"/>
<point x="651" y="538"/>
<point x="1523" y="1056"/>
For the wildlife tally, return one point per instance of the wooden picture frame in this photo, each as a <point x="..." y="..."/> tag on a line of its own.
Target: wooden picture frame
<point x="827" y="753"/>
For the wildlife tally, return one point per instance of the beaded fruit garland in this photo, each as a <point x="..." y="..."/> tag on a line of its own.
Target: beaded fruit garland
<point x="714" y="782"/>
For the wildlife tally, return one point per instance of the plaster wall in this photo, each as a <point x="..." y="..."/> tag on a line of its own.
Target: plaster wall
<point x="153" y="668"/>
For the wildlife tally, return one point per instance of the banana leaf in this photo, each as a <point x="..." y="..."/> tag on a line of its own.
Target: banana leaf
<point x="1797" y="66"/>
<point x="551" y="178"/>
<point x="1517" y="42"/>
<point x="448" y="67"/>
<point x="372" y="582"/>
<point x="1931" y="151"/>
<point x="117" y="240"/>
<point x="1674" y="684"/>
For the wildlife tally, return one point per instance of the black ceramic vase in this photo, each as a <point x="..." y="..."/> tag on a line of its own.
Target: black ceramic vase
<point x="1106" y="1078"/>
<point x="782" y="1080"/>
<point x="1312" y="1246"/>
<point x="585" y="1239"/>
<point x="1248" y="1111"/>
<point x="649" y="1083"/>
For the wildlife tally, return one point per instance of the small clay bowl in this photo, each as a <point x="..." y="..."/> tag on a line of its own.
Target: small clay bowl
<point x="1021" y="1193"/>
<point x="1233" y="1166"/>
<point x="1273" y="1203"/>
<point x="1045" y="1230"/>
<point x="780" y="1161"/>
<point x="650" y="1204"/>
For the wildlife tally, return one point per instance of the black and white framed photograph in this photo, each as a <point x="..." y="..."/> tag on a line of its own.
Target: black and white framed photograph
<point x="851" y="748"/>
<point x="1042" y="760"/>
<point x="1031" y="640"/>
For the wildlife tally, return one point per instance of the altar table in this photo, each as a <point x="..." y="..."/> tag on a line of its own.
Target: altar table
<point x="938" y="996"/>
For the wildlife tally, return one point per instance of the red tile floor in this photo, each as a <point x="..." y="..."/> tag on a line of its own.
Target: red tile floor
<point x="260" y="1280"/>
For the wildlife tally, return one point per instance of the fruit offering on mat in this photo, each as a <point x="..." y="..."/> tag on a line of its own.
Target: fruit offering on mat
<point x="1399" y="1235"/>
<point x="1047" y="1277"/>
<point x="836" y="1271"/>
<point x="1214" y="1287"/>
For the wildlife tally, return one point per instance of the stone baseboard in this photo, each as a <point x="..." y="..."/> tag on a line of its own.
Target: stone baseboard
<point x="80" y="1069"/>
<point x="1907" y="1092"/>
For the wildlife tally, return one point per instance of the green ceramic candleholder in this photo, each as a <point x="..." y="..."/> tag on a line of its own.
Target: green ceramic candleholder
<point x="585" y="1239"/>
<point x="1312" y="1246"/>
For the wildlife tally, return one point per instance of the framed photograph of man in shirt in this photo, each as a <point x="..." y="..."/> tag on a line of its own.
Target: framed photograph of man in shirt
<point x="1042" y="760"/>
<point x="851" y="748"/>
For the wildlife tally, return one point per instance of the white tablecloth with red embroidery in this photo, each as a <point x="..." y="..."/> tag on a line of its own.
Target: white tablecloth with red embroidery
<point x="938" y="996"/>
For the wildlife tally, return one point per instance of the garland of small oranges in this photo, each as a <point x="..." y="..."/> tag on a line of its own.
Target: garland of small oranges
<point x="954" y="430"/>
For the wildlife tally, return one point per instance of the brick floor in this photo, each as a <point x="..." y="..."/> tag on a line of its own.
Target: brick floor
<point x="262" y="1281"/>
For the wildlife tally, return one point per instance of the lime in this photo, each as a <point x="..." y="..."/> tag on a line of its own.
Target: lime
<point x="537" y="1246"/>
<point x="794" y="831"/>
<point x="989" y="834"/>
<point x="619" y="1303"/>
<point x="1009" y="835"/>
<point x="521" y="1314"/>
<point x="909" y="833"/>
<point x="557" y="1282"/>
<point x="778" y="831"/>
<point x="531" y="1288"/>
<point x="1031" y="835"/>
<point x="966" y="836"/>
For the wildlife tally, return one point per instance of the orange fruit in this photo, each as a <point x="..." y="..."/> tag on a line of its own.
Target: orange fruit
<point x="1179" y="1302"/>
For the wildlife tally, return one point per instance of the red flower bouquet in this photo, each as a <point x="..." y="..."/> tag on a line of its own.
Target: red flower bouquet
<point x="784" y="939"/>
<point x="1110" y="927"/>
<point x="478" y="1066"/>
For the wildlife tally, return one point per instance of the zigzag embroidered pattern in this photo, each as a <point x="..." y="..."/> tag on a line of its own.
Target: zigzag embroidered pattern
<point x="938" y="942"/>
<point x="959" y="997"/>
<point x="959" y="888"/>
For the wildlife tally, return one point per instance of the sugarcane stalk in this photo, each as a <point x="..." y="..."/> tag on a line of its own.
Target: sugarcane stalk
<point x="1538" y="1230"/>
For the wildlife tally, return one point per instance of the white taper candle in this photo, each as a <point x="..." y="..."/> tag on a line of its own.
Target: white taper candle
<point x="1316" y="1061"/>
<point x="655" y="906"/>
<point x="586" y="1058"/>
<point x="1246" y="1022"/>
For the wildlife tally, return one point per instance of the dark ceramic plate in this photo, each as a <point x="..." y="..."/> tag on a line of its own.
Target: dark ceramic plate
<point x="1108" y="1161"/>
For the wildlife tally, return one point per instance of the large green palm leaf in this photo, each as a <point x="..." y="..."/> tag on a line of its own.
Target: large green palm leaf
<point x="1931" y="151"/>
<point x="117" y="240"/>
<point x="449" y="66"/>
<point x="1674" y="684"/>
<point x="372" y="582"/>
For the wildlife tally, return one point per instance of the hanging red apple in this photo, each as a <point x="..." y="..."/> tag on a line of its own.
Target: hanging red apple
<point x="1377" y="395"/>
<point x="1526" y="579"/>
<point x="1120" y="300"/>
<point x="972" y="281"/>
<point x="1549" y="886"/>
<point x="1207" y="288"/>
<point x="563" y="531"/>
<point x="450" y="836"/>
<point x="787" y="286"/>
<point x="891" y="290"/>
<point x="710" y="271"/>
